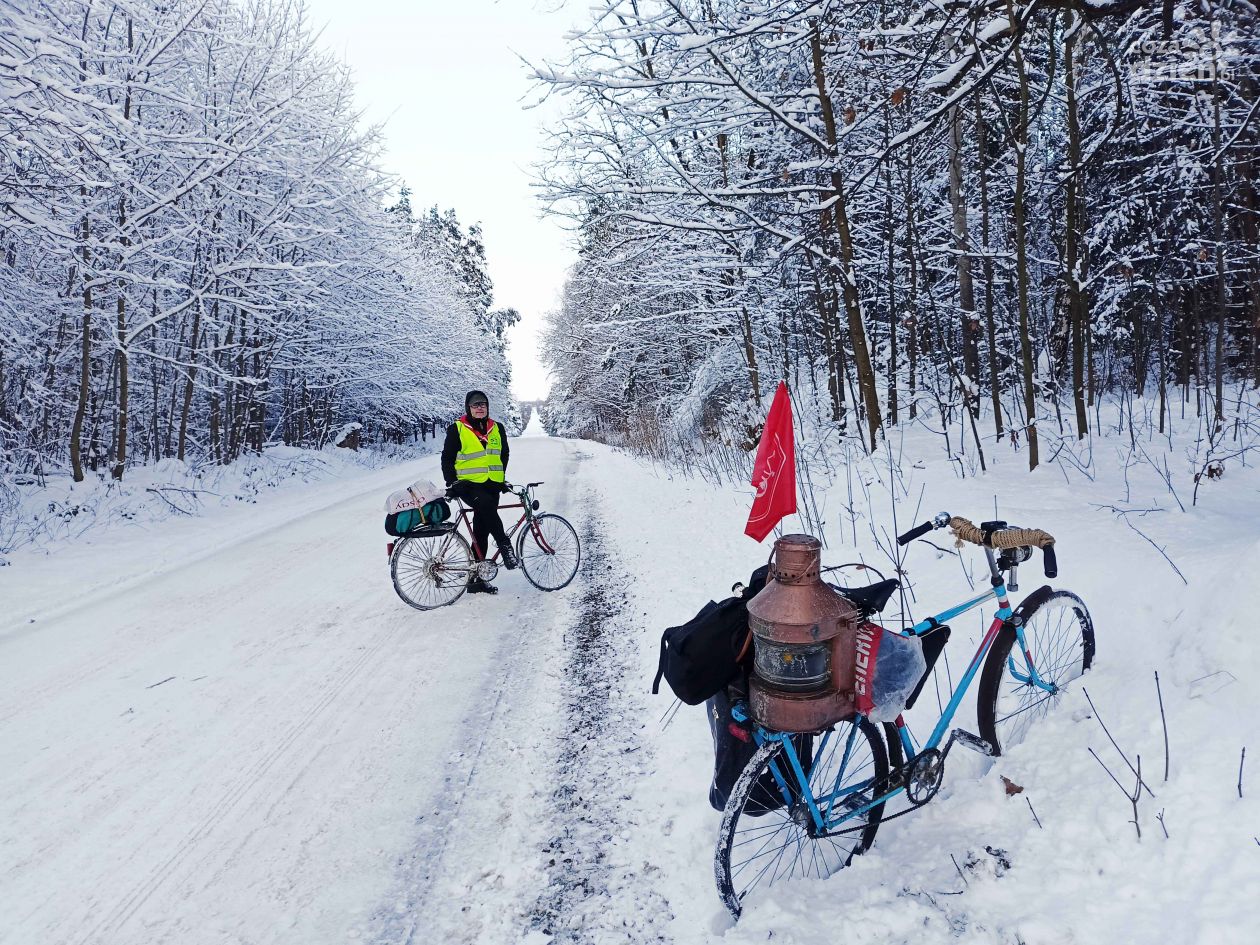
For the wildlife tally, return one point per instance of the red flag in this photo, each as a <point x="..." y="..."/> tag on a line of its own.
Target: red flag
<point x="774" y="472"/>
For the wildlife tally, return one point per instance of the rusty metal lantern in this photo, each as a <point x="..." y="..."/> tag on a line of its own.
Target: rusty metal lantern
<point x="804" y="637"/>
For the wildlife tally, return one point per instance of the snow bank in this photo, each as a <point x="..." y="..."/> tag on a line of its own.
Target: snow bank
<point x="35" y="517"/>
<point x="1082" y="875"/>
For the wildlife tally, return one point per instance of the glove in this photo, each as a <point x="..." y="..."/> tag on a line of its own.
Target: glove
<point x="505" y="487"/>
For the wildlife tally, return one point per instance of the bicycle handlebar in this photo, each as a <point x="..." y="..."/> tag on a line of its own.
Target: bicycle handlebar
<point x="990" y="537"/>
<point x="939" y="520"/>
<point x="917" y="532"/>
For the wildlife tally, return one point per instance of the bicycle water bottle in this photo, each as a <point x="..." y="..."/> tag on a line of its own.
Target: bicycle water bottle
<point x="804" y="639"/>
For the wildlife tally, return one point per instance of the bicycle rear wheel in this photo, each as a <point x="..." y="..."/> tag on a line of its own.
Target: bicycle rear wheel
<point x="549" y="552"/>
<point x="767" y="832"/>
<point x="431" y="571"/>
<point x="1060" y="637"/>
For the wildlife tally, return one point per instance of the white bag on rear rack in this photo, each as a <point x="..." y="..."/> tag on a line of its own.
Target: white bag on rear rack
<point x="417" y="495"/>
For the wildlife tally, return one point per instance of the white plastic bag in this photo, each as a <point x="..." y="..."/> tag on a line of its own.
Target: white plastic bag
<point x="889" y="666"/>
<point x="415" y="496"/>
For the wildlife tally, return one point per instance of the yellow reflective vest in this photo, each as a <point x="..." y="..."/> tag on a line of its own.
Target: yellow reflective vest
<point x="478" y="461"/>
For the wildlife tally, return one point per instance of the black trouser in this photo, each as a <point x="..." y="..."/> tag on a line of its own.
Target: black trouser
<point x="483" y="499"/>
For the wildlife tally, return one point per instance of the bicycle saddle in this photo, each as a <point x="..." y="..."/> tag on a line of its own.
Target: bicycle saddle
<point x="874" y="597"/>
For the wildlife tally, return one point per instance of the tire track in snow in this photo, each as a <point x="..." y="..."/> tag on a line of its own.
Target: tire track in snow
<point x="463" y="834"/>
<point x="597" y="890"/>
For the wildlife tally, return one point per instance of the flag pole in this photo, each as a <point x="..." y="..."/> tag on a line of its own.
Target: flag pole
<point x="804" y="484"/>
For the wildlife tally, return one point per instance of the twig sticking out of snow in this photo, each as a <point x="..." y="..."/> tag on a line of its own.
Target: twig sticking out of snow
<point x="1034" y="813"/>
<point x="1160" y="818"/>
<point x="1137" y="789"/>
<point x="1163" y="554"/>
<point x="1136" y="771"/>
<point x="959" y="868"/>
<point x="161" y="494"/>
<point x="1123" y="515"/>
<point x="1241" y="760"/>
<point x="1163" y="721"/>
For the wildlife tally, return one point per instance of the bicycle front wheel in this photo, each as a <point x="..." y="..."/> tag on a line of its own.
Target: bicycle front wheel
<point x="1060" y="637"/>
<point x="768" y="832"/>
<point x="549" y="552"/>
<point x="431" y="571"/>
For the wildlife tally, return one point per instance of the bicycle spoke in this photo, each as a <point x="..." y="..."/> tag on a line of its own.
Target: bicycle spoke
<point x="430" y="570"/>
<point x="786" y="846"/>
<point x="1047" y="698"/>
<point x="550" y="552"/>
<point x="1058" y="639"/>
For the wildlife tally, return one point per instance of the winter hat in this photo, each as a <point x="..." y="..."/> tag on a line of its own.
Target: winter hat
<point x="475" y="395"/>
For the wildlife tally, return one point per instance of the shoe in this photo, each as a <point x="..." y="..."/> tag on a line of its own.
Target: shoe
<point x="478" y="586"/>
<point x="509" y="558"/>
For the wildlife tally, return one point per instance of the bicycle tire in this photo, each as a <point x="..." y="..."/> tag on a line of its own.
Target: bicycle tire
<point x="553" y="566"/>
<point x="777" y="830"/>
<point x="431" y="571"/>
<point x="1060" y="636"/>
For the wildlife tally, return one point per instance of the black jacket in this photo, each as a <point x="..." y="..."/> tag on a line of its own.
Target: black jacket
<point x="450" y="449"/>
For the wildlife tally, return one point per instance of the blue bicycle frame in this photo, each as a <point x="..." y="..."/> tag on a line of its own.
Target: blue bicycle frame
<point x="830" y="810"/>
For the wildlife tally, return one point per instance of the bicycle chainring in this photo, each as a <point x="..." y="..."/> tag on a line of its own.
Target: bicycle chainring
<point x="487" y="570"/>
<point x="924" y="775"/>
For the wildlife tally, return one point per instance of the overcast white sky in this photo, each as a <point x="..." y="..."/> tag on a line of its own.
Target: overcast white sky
<point x="446" y="78"/>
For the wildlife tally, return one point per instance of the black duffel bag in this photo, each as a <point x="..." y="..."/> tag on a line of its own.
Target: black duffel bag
<point x="701" y="657"/>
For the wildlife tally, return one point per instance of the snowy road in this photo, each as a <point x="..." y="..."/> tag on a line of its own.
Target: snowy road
<point x="229" y="731"/>
<point x="267" y="746"/>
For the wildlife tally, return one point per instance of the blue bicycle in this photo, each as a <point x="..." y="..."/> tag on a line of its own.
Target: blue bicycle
<point x="807" y="803"/>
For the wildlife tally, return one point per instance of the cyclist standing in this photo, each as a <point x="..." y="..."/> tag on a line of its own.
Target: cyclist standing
<point x="474" y="465"/>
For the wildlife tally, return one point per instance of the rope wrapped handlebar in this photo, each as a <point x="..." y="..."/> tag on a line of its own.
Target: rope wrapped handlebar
<point x="965" y="530"/>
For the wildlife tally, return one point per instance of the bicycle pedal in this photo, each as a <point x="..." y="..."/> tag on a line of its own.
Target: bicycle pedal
<point x="974" y="742"/>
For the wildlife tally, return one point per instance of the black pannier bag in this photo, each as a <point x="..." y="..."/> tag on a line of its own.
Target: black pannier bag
<point x="701" y="657"/>
<point x="733" y="748"/>
<point x="933" y="644"/>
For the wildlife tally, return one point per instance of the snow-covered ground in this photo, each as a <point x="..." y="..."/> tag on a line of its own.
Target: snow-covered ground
<point x="229" y="730"/>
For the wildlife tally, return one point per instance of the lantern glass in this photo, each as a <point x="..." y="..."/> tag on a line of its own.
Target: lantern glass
<point x="792" y="666"/>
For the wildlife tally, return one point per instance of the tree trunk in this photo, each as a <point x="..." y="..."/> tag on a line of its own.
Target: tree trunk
<point x="124" y="388"/>
<point x="848" y="277"/>
<point x="85" y="365"/>
<point x="912" y="298"/>
<point x="1021" y="248"/>
<point x="825" y="302"/>
<point x="889" y="235"/>
<point x="1218" y="225"/>
<point x="962" y="261"/>
<point x="995" y="375"/>
<point x="124" y="384"/>
<point x="1077" y="316"/>
<point x="750" y="355"/>
<point x="190" y="384"/>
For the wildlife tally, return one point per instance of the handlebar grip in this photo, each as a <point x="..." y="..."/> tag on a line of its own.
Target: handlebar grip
<point x="915" y="533"/>
<point x="1051" y="562"/>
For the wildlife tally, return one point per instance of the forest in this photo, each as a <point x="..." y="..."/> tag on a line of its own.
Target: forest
<point x="987" y="217"/>
<point x="200" y="254"/>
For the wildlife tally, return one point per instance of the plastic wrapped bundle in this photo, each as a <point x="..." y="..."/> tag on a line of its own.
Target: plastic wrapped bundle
<point x="889" y="668"/>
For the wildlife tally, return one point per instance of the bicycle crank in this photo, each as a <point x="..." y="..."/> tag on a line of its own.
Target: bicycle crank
<point x="924" y="775"/>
